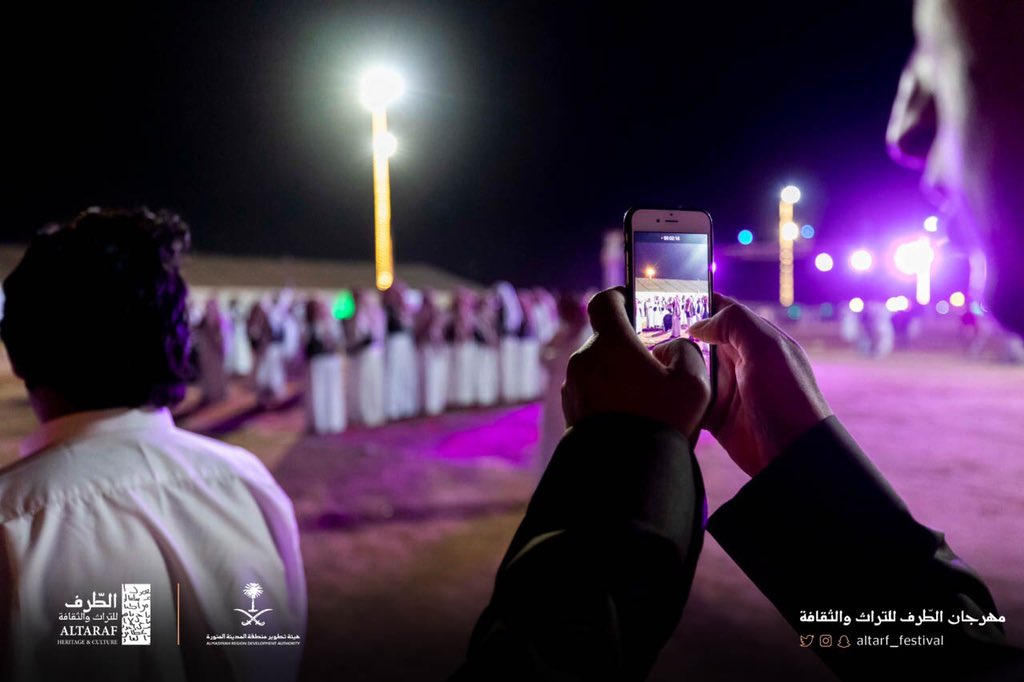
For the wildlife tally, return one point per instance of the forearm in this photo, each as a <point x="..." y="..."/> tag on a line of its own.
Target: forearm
<point x="820" y="529"/>
<point x="596" y="577"/>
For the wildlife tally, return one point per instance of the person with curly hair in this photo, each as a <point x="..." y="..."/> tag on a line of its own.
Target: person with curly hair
<point x="109" y="492"/>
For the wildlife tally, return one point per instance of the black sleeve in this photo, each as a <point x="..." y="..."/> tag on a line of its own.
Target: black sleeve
<point x="595" y="578"/>
<point x="822" y="534"/>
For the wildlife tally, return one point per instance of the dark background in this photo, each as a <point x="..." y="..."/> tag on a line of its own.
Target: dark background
<point x="527" y="128"/>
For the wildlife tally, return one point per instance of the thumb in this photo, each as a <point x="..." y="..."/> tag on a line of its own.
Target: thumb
<point x="681" y="356"/>
<point x="728" y="323"/>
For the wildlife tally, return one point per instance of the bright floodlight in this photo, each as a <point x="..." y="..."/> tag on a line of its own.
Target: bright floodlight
<point x="384" y="144"/>
<point x="790" y="231"/>
<point x="379" y="88"/>
<point x="823" y="262"/>
<point x="790" y="194"/>
<point x="957" y="299"/>
<point x="912" y="258"/>
<point x="931" y="224"/>
<point x="857" y="304"/>
<point x="649" y="272"/>
<point x="745" y="237"/>
<point x="860" y="260"/>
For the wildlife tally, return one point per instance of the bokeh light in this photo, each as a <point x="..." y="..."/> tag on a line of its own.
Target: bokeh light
<point x="860" y="260"/>
<point x="790" y="231"/>
<point x="344" y="305"/>
<point x="823" y="262"/>
<point x="931" y="224"/>
<point x="790" y="194"/>
<point x="807" y="231"/>
<point x="896" y="304"/>
<point x="914" y="257"/>
<point x="857" y="304"/>
<point x="794" y="311"/>
<point x="745" y="237"/>
<point x="942" y="307"/>
<point x="957" y="299"/>
<point x="826" y="310"/>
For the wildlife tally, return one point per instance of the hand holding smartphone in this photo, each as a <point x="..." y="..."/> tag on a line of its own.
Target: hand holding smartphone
<point x="669" y="274"/>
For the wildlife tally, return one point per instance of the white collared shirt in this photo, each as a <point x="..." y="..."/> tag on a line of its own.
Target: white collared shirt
<point x="113" y="497"/>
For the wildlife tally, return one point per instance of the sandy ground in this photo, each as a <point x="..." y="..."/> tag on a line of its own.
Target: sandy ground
<point x="403" y="527"/>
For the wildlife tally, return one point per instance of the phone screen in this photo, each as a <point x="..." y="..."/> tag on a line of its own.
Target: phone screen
<point x="671" y="285"/>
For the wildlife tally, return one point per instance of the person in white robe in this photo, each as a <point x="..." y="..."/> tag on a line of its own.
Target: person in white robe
<point x="266" y="337"/>
<point x="401" y="366"/>
<point x="462" y="338"/>
<point x="289" y="316"/>
<point x="488" y="345"/>
<point x="434" y="354"/>
<point x="325" y="393"/>
<point x="529" y="349"/>
<point x="677" y="318"/>
<point x="240" y="360"/>
<point x="573" y="332"/>
<point x="545" y="315"/>
<point x="366" y="359"/>
<point x="510" y="322"/>
<point x="211" y="340"/>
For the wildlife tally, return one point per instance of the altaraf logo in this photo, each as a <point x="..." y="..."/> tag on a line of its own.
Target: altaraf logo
<point x="96" y="620"/>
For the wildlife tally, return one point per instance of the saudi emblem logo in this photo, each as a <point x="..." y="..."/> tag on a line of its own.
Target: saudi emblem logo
<point x="252" y="591"/>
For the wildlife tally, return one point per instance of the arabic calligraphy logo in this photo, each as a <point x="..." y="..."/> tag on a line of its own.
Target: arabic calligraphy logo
<point x="252" y="615"/>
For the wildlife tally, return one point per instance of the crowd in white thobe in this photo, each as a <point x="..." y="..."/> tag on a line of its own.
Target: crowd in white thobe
<point x="670" y="312"/>
<point x="402" y="353"/>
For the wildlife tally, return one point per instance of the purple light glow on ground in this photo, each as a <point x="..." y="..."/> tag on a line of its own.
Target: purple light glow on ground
<point x="511" y="437"/>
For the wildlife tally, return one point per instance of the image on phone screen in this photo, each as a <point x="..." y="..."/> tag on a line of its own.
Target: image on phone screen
<point x="671" y="285"/>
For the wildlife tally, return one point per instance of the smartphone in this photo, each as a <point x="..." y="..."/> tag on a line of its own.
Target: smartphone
<point x="669" y="274"/>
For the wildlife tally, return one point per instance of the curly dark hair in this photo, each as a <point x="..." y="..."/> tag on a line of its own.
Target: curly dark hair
<point x="96" y="310"/>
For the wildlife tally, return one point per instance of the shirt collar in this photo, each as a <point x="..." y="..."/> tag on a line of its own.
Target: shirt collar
<point x="94" y="422"/>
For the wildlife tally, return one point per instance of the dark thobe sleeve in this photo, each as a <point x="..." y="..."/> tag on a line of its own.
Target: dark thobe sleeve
<point x="822" y="534"/>
<point x="595" y="579"/>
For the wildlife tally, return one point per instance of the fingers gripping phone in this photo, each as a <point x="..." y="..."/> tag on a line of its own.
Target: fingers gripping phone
<point x="669" y="274"/>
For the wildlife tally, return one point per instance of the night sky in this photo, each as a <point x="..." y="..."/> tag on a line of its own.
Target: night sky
<point x="527" y="128"/>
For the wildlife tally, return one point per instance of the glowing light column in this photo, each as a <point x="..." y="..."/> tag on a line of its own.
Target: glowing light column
<point x="788" y="232"/>
<point x="916" y="258"/>
<point x="379" y="88"/>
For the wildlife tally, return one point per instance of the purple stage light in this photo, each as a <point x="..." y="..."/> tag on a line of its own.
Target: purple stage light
<point x="860" y="260"/>
<point x="912" y="258"/>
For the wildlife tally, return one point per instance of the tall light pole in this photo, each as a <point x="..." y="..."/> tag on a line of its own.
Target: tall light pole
<point x="788" y="232"/>
<point x="379" y="88"/>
